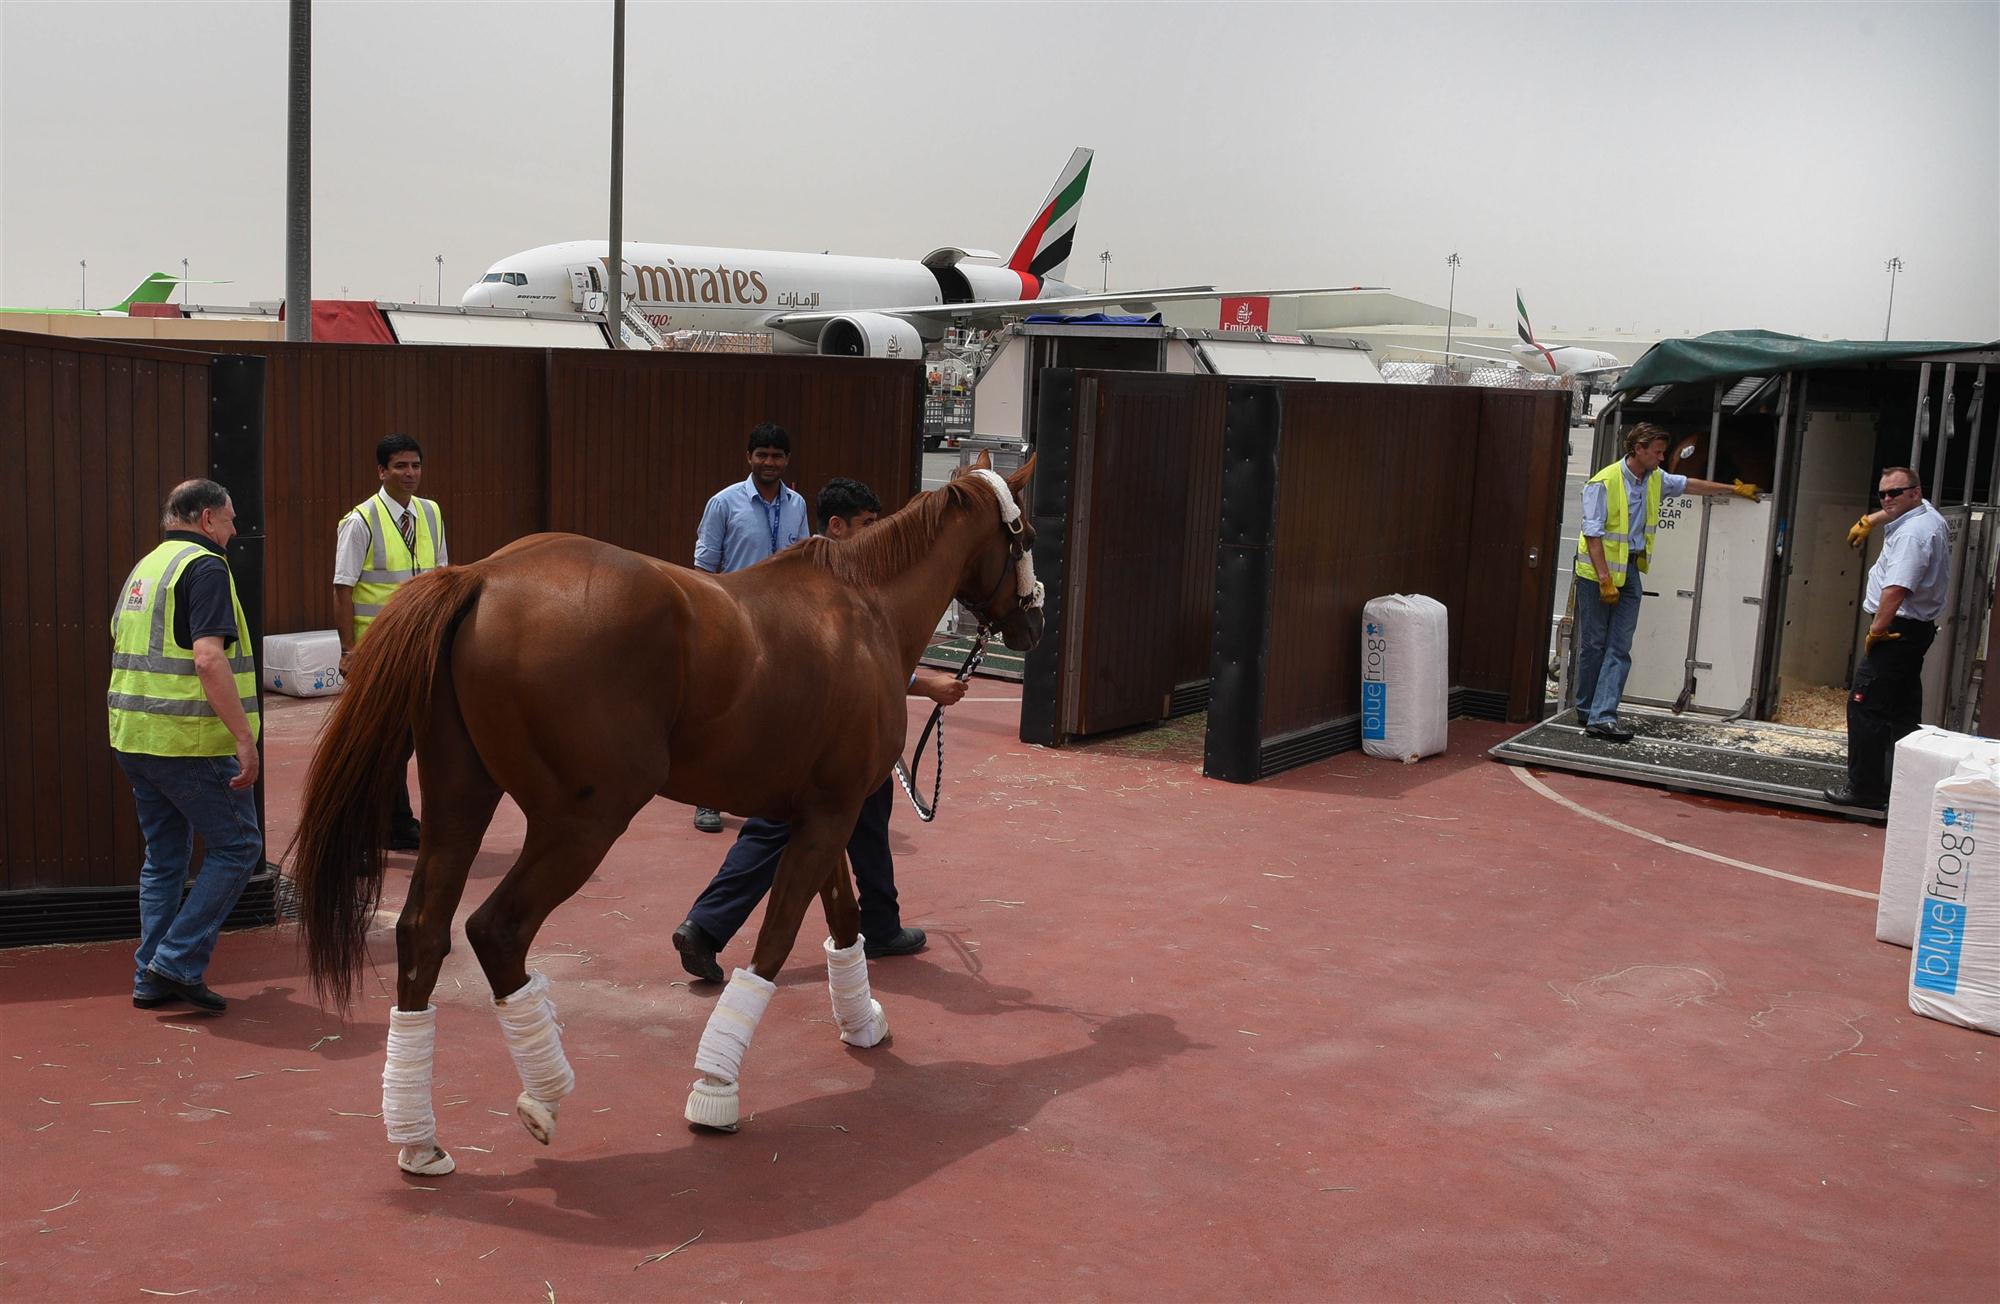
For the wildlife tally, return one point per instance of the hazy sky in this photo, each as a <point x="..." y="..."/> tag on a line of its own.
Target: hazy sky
<point x="1670" y="167"/>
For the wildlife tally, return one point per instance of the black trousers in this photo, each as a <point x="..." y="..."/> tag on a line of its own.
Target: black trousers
<point x="1886" y="702"/>
<point x="752" y="866"/>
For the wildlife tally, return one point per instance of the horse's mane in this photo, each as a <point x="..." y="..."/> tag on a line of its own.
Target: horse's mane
<point x="895" y="543"/>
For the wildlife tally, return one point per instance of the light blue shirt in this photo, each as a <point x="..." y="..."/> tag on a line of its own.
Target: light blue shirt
<point x="1595" y="500"/>
<point x="1916" y="555"/>
<point x="738" y="528"/>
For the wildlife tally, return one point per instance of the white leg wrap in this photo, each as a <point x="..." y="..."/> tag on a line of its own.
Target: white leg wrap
<point x="732" y="1024"/>
<point x="528" y="1018"/>
<point x="406" y="1092"/>
<point x="858" y="1014"/>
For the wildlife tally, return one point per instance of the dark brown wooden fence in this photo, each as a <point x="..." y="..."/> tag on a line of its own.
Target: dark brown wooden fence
<point x="1343" y="493"/>
<point x="639" y="442"/>
<point x="1335" y="494"/>
<point x="92" y="436"/>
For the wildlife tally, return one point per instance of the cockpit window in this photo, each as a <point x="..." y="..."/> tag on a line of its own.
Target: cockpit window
<point x="489" y="278"/>
<point x="516" y="278"/>
<point x="504" y="278"/>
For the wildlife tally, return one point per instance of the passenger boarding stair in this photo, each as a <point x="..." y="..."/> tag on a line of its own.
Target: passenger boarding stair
<point x="635" y="332"/>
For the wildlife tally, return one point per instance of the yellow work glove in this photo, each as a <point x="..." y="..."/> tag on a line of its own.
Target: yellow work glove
<point x="1883" y="637"/>
<point x="1607" y="590"/>
<point x="1749" y="491"/>
<point x="1857" y="533"/>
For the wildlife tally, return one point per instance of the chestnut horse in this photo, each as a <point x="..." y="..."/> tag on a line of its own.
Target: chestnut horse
<point x="582" y="680"/>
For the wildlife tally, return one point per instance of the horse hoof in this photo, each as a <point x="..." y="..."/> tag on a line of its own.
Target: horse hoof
<point x="713" y="1105"/>
<point x="538" y="1116"/>
<point x="875" y="1034"/>
<point x="429" y="1160"/>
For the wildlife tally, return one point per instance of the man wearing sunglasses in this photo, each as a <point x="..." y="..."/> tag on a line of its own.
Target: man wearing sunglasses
<point x="1621" y="510"/>
<point x="1906" y="592"/>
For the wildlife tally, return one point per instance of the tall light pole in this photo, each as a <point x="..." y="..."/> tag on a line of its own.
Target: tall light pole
<point x="440" y="263"/>
<point x="298" y="177"/>
<point x="1105" y="258"/>
<point x="83" y="290"/>
<point x="614" y="308"/>
<point x="1893" y="266"/>
<point x="184" y="282"/>
<point x="1451" y="299"/>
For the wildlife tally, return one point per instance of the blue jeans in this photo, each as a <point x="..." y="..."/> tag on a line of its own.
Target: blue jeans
<point x="1604" y="647"/>
<point x="178" y="797"/>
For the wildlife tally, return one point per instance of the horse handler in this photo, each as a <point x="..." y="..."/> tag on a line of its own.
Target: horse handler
<point x="752" y="863"/>
<point x="184" y="727"/>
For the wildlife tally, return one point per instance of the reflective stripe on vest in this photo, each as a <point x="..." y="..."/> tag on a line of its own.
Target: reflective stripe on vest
<point x="388" y="564"/>
<point x="1618" y="526"/>
<point x="155" y="699"/>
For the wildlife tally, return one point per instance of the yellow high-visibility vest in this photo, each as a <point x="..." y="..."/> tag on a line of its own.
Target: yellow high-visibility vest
<point x="389" y="562"/>
<point x="155" y="698"/>
<point x="1618" y="525"/>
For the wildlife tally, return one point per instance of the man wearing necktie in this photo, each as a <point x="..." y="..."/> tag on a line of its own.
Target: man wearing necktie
<point x="385" y="542"/>
<point x="747" y="522"/>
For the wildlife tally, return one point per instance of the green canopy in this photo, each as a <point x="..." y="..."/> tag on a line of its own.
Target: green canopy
<point x="1723" y="355"/>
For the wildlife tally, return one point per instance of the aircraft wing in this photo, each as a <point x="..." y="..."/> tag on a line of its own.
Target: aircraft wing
<point x="1454" y="353"/>
<point x="1016" y="307"/>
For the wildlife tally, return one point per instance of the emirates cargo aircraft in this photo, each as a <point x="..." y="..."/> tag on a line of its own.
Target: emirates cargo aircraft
<point x="827" y="303"/>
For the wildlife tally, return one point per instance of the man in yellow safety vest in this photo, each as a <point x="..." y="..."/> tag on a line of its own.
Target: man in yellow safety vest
<point x="1621" y="509"/>
<point x="182" y="702"/>
<point x="386" y="541"/>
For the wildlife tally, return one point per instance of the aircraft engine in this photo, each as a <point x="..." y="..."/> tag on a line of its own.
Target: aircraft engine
<point x="871" y="335"/>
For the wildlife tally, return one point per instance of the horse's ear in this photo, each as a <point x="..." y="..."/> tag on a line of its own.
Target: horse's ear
<point x="1020" y="478"/>
<point x="983" y="463"/>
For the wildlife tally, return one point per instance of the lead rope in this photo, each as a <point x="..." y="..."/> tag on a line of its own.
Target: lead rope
<point x="936" y="722"/>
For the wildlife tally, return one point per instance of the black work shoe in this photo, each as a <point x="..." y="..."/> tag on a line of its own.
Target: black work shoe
<point x="153" y="1001"/>
<point x="1610" y="731"/>
<point x="697" y="950"/>
<point x="404" y="837"/>
<point x="1846" y="796"/>
<point x="707" y="819"/>
<point x="904" y="941"/>
<point x="195" y="994"/>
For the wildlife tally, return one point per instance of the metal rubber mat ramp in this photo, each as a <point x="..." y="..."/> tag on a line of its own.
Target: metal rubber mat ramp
<point x="1748" y="759"/>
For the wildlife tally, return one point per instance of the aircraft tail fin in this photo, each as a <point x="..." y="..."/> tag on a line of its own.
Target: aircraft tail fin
<point x="1526" y="331"/>
<point x="158" y="288"/>
<point x="1044" y="248"/>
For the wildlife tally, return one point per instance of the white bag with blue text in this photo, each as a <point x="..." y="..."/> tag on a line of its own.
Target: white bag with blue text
<point x="1955" y="966"/>
<point x="1405" y="672"/>
<point x="1924" y="759"/>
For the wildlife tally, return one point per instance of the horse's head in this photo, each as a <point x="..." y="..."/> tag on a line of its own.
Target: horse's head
<point x="999" y="583"/>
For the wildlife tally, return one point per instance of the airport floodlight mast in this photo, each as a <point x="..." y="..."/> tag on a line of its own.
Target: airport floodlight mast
<point x="1893" y="266"/>
<point x="298" y="175"/>
<point x="440" y="263"/>
<point x="614" y="305"/>
<point x="1451" y="298"/>
<point x="83" y="290"/>
<point x="1105" y="258"/>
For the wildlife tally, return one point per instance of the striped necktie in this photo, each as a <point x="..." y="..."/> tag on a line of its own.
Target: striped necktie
<point x="410" y="531"/>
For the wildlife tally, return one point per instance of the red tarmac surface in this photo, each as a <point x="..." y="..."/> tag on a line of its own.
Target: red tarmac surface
<point x="1366" y="1031"/>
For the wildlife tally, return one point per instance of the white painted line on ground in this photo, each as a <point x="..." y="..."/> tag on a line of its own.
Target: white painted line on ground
<point x="1719" y="859"/>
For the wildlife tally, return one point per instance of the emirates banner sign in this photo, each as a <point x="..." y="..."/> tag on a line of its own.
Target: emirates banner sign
<point x="1250" y="313"/>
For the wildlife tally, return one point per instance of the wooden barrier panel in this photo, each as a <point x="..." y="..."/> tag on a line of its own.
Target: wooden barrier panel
<point x="1173" y="568"/>
<point x="639" y="442"/>
<point x="92" y="436"/>
<point x="1336" y="494"/>
<point x="480" y="414"/>
<point x="1126" y="498"/>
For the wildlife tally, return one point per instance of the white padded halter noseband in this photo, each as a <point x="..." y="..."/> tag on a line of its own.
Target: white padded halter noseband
<point x="1027" y="588"/>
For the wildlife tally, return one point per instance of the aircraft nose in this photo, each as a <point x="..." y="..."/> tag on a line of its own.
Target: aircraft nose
<point x="479" y="296"/>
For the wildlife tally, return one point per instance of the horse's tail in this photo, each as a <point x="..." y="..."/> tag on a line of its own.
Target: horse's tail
<point x="337" y="851"/>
